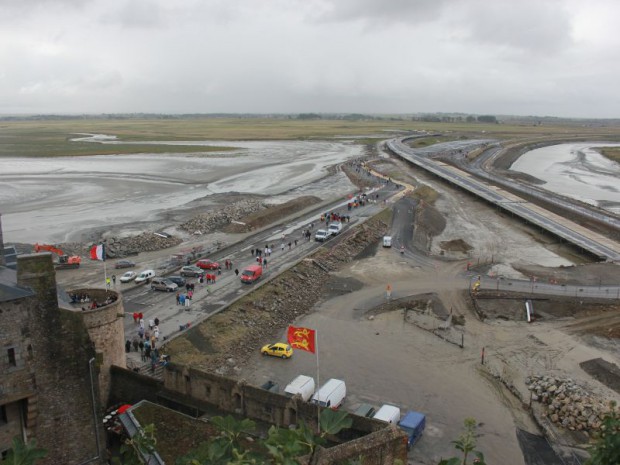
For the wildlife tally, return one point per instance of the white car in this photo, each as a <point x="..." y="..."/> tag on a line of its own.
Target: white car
<point x="322" y="235"/>
<point x="128" y="276"/>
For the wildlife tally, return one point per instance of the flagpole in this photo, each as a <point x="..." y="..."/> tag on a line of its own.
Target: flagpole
<point x="318" y="383"/>
<point x="105" y="271"/>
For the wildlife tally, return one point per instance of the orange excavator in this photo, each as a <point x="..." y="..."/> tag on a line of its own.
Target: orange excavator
<point x="64" y="260"/>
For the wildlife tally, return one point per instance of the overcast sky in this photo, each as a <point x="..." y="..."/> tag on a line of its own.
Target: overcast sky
<point x="526" y="57"/>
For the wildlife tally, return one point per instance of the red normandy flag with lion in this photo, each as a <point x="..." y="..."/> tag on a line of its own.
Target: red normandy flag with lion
<point x="302" y="338"/>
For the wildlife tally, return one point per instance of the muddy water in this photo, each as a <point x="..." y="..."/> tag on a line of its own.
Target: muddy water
<point x="577" y="171"/>
<point x="56" y="200"/>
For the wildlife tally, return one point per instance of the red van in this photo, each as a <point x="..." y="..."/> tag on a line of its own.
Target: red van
<point x="251" y="273"/>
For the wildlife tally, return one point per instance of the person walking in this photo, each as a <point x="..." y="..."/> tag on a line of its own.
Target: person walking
<point x="127" y="346"/>
<point x="187" y="302"/>
<point x="141" y="347"/>
<point x="142" y="324"/>
<point x="182" y="299"/>
<point x="135" y="343"/>
<point x="236" y="272"/>
<point x="252" y="251"/>
<point x="282" y="247"/>
<point x="178" y="298"/>
<point x="219" y="269"/>
<point x="151" y="324"/>
<point x="265" y="263"/>
<point x="156" y="321"/>
<point x="114" y="280"/>
<point x="107" y="283"/>
<point x="156" y="333"/>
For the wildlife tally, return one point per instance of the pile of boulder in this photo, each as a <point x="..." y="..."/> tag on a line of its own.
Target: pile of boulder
<point x="145" y="242"/>
<point x="222" y="216"/>
<point x="568" y="404"/>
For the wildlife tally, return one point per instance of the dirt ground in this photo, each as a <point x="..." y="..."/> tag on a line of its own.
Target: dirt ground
<point x="409" y="345"/>
<point x="403" y="352"/>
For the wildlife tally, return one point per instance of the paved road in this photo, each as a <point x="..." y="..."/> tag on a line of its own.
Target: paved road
<point x="212" y="298"/>
<point x="582" y="237"/>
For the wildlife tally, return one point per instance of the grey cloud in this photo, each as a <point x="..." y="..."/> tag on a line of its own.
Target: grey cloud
<point x="21" y="10"/>
<point x="135" y="14"/>
<point x="533" y="26"/>
<point x="380" y="11"/>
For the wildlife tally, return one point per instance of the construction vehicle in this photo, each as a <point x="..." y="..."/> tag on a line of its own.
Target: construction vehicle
<point x="64" y="261"/>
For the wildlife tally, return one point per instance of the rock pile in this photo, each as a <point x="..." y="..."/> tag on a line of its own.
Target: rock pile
<point x="568" y="404"/>
<point x="213" y="220"/>
<point x="145" y="242"/>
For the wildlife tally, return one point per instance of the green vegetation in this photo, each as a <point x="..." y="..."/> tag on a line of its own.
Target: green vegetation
<point x="24" y="453"/>
<point x="426" y="193"/>
<point x="606" y="449"/>
<point x="236" y="444"/>
<point x="613" y="153"/>
<point x="466" y="443"/>
<point x="132" y="450"/>
<point x="427" y="141"/>
<point x="51" y="136"/>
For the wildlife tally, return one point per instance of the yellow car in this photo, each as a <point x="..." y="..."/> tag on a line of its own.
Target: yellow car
<point x="279" y="349"/>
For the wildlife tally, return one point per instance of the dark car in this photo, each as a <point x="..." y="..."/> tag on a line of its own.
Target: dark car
<point x="191" y="271"/>
<point x="178" y="280"/>
<point x="124" y="264"/>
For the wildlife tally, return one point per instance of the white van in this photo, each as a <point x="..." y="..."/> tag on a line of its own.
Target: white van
<point x="388" y="413"/>
<point x="302" y="385"/>
<point x="331" y="394"/>
<point x="387" y="241"/>
<point x="335" y="228"/>
<point x="145" y="275"/>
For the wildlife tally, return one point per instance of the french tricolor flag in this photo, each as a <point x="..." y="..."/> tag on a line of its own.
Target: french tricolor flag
<point x="97" y="252"/>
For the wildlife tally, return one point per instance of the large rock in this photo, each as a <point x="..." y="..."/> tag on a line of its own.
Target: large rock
<point x="569" y="404"/>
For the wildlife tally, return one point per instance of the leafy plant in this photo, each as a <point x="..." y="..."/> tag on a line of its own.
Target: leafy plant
<point x="606" y="450"/>
<point x="132" y="450"/>
<point x="23" y="453"/>
<point x="466" y="443"/>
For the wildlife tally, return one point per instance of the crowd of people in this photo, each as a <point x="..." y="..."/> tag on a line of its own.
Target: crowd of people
<point x="92" y="303"/>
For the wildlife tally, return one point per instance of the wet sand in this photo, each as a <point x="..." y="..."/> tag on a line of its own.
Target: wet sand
<point x="62" y="199"/>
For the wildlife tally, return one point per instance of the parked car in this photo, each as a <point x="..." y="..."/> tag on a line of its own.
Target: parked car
<point x="128" y="276"/>
<point x="178" y="280"/>
<point x="251" y="274"/>
<point x="331" y="394"/>
<point x="191" y="271"/>
<point x="279" y="349"/>
<point x="335" y="228"/>
<point x="302" y="385"/>
<point x="163" y="284"/>
<point x="413" y="423"/>
<point x="145" y="276"/>
<point x="388" y="413"/>
<point x="207" y="264"/>
<point x="124" y="264"/>
<point x="322" y="235"/>
<point x="365" y="410"/>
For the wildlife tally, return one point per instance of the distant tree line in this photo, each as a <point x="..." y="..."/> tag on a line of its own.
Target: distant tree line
<point x="434" y="118"/>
